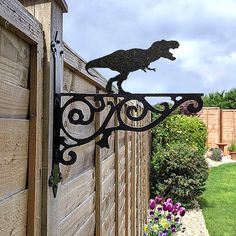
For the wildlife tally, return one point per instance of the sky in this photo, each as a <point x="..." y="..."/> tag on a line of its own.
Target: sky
<point x="206" y="30"/>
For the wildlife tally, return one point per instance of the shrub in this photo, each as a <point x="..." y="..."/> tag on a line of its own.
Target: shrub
<point x="178" y="171"/>
<point x="182" y="129"/>
<point x="216" y="154"/>
<point x="232" y="147"/>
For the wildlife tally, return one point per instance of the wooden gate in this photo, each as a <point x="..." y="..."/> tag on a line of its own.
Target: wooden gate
<point x="20" y="121"/>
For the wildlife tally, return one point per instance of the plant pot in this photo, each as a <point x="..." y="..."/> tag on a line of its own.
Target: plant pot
<point x="233" y="155"/>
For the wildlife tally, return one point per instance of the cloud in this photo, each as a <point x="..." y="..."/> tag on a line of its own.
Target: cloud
<point x="206" y="59"/>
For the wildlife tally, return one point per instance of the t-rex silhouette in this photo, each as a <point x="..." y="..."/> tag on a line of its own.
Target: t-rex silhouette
<point x="126" y="61"/>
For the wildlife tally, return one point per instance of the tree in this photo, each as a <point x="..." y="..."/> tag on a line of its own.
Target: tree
<point x="224" y="99"/>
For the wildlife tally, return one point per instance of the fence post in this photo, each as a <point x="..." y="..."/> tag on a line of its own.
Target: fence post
<point x="50" y="15"/>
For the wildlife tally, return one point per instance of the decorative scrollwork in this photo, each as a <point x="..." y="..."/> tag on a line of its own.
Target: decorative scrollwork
<point x="80" y="110"/>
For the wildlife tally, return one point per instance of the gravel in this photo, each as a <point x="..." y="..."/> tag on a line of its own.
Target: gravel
<point x="194" y="224"/>
<point x="225" y="159"/>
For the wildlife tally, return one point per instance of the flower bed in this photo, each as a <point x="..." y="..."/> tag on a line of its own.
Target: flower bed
<point x="164" y="217"/>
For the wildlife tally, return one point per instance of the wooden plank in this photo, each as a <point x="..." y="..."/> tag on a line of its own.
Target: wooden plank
<point x="112" y="232"/>
<point x="49" y="14"/>
<point x="107" y="185"/>
<point x="77" y="64"/>
<point x="16" y="18"/>
<point x="14" y="214"/>
<point x="84" y="162"/>
<point x="121" y="181"/>
<point x="75" y="192"/>
<point x="133" y="177"/>
<point x="13" y="73"/>
<point x="107" y="203"/>
<point x="122" y="219"/>
<point x="75" y="220"/>
<point x="12" y="47"/>
<point x="127" y="184"/>
<point x="13" y="156"/>
<point x="109" y="222"/>
<point x="122" y="158"/>
<point x="117" y="174"/>
<point x="108" y="165"/>
<point x="36" y="138"/>
<point x="14" y="101"/>
<point x="98" y="177"/>
<point x="88" y="228"/>
<point x="81" y="85"/>
<point x="122" y="197"/>
<point x="63" y="5"/>
<point x="67" y="80"/>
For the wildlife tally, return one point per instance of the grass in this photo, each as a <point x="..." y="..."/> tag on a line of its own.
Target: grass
<point x="218" y="202"/>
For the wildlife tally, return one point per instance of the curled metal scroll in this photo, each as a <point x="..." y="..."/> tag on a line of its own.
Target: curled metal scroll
<point x="119" y="106"/>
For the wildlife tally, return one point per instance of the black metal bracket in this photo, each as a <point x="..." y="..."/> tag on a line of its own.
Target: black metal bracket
<point x="78" y="111"/>
<point x="74" y="113"/>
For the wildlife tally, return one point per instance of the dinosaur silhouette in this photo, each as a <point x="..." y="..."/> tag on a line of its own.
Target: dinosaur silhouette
<point x="126" y="61"/>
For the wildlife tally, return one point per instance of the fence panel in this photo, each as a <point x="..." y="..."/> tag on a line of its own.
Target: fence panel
<point x="221" y="125"/>
<point x="107" y="173"/>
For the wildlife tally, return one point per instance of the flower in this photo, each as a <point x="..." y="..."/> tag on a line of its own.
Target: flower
<point x="169" y="200"/>
<point x="173" y="228"/>
<point x="164" y="217"/>
<point x="169" y="206"/>
<point x="145" y="228"/>
<point x="151" y="213"/>
<point x="182" y="211"/>
<point x="164" y="206"/>
<point x="159" y="208"/>
<point x="175" y="211"/>
<point x="158" y="199"/>
<point x="155" y="228"/>
<point x="168" y="217"/>
<point x="177" y="206"/>
<point x="164" y="223"/>
<point x="152" y="204"/>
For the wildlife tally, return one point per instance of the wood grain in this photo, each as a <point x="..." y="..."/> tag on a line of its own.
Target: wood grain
<point x="84" y="162"/>
<point x="75" y="192"/>
<point x="108" y="202"/>
<point x="107" y="184"/>
<point x="14" y="101"/>
<point x="14" y="214"/>
<point x="75" y="220"/>
<point x="16" y="18"/>
<point x="13" y="156"/>
<point x="109" y="222"/>
<point x="88" y="228"/>
<point x="14" y="48"/>
<point x="108" y="165"/>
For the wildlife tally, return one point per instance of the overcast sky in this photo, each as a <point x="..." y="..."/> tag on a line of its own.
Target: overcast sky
<point x="206" y="31"/>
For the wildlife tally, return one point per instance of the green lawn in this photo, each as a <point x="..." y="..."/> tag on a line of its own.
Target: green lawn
<point x="219" y="201"/>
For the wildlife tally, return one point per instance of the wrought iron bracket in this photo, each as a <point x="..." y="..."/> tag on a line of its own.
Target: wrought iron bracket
<point x="78" y="111"/>
<point x="75" y="113"/>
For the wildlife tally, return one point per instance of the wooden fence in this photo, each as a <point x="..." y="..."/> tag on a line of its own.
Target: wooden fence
<point x="107" y="190"/>
<point x="221" y="124"/>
